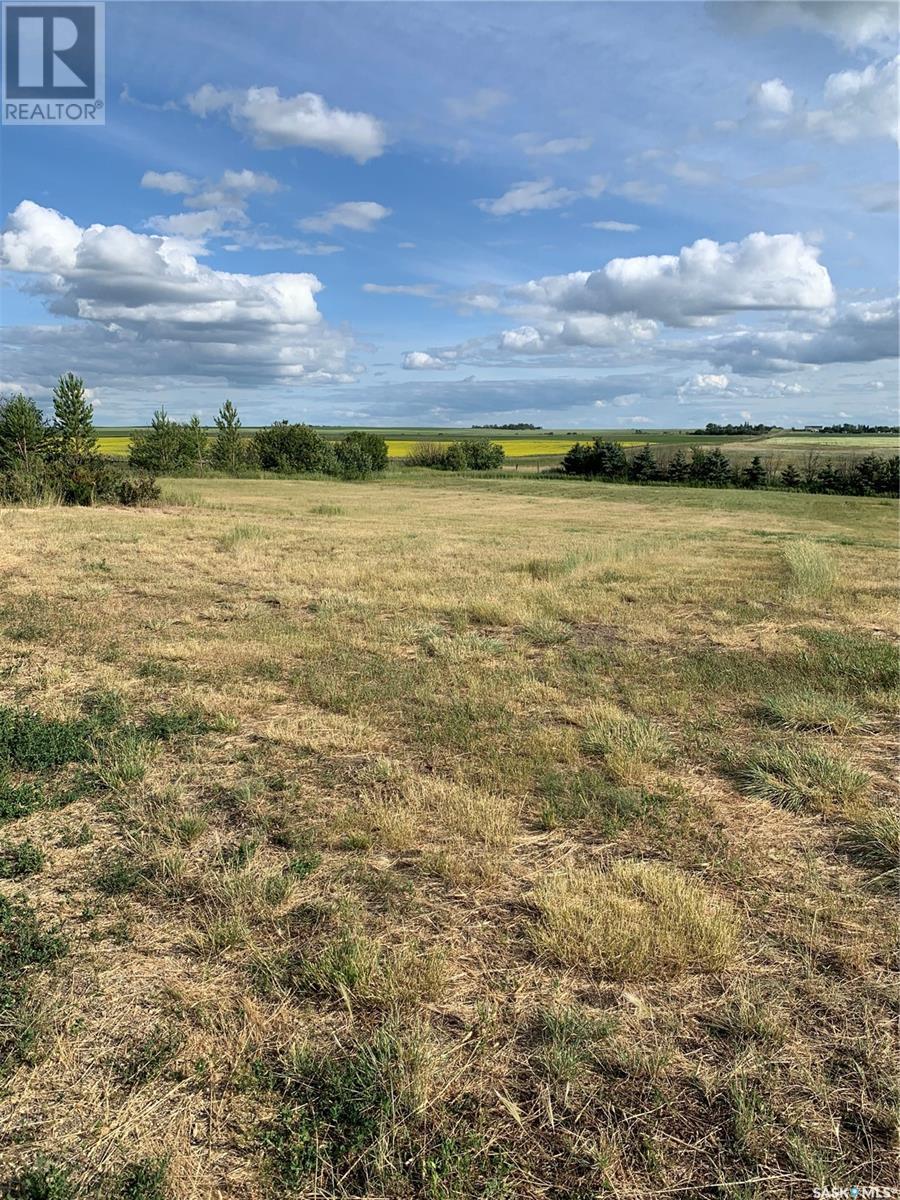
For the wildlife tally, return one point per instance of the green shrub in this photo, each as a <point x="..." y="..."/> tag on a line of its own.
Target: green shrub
<point x="469" y="454"/>
<point x="137" y="491"/>
<point x="292" y="449"/>
<point x="360" y="454"/>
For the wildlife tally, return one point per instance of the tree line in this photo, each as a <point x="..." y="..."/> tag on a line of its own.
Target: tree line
<point x="869" y="475"/>
<point x="715" y="430"/>
<point x="58" y="460"/>
<point x="169" y="447"/>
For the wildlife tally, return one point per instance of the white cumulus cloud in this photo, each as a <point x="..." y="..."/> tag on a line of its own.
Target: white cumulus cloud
<point x="152" y="289"/>
<point x="774" y="96"/>
<point x="421" y="360"/>
<point x="359" y="215"/>
<point x="706" y="279"/>
<point x="273" y="121"/>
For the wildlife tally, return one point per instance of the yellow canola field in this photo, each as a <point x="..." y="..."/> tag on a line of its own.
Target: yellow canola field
<point x="117" y="444"/>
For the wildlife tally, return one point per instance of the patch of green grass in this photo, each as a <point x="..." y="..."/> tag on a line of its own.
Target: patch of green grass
<point x="303" y="864"/>
<point x="33" y="618"/>
<point x="815" y="712"/>
<point x="76" y="837"/>
<point x="20" y="859"/>
<point x="34" y="743"/>
<point x="24" y="944"/>
<point x="45" y="1180"/>
<point x="41" y="1181"/>
<point x="856" y="662"/>
<point x="162" y="670"/>
<point x="239" y="855"/>
<point x="586" y="795"/>
<point x="327" y="510"/>
<point x="803" y="778"/>
<point x="142" y="1180"/>
<point x="192" y="722"/>
<point x="118" y="876"/>
<point x="105" y="708"/>
<point x="18" y="800"/>
<point x="358" y="1123"/>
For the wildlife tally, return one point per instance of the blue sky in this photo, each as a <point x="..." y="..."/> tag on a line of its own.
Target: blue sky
<point x="591" y="214"/>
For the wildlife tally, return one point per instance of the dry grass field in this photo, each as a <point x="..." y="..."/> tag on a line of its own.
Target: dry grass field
<point x="471" y="839"/>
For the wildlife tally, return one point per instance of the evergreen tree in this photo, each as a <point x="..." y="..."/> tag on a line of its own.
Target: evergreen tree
<point x="642" y="467"/>
<point x="228" y="450"/>
<point x="679" y="468"/>
<point x="166" y="446"/>
<point x="196" y="436"/>
<point x="719" y="471"/>
<point x="790" y="476"/>
<point x="755" y="475"/>
<point x="23" y="433"/>
<point x="73" y="421"/>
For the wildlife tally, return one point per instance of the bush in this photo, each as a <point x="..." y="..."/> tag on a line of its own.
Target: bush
<point x="360" y="454"/>
<point x="471" y="454"/>
<point x="137" y="490"/>
<point x="482" y="454"/>
<point x="292" y="449"/>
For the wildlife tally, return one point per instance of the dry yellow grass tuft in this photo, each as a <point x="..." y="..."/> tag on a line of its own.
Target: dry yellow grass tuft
<point x="634" y="920"/>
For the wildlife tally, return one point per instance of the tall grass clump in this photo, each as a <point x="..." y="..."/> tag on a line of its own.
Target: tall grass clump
<point x="803" y="778"/>
<point x="634" y="920"/>
<point x="629" y="746"/>
<point x="812" y="572"/>
<point x="813" y="711"/>
<point x="873" y="839"/>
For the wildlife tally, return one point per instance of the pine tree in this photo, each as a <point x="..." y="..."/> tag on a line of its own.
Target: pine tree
<point x="196" y="434"/>
<point x="642" y="467"/>
<point x="755" y="475"/>
<point x="23" y="433"/>
<point x="790" y="476"/>
<point x="166" y="446"/>
<point x="678" y="468"/>
<point x="228" y="450"/>
<point x="73" y="421"/>
<point x="718" y="469"/>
